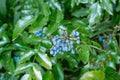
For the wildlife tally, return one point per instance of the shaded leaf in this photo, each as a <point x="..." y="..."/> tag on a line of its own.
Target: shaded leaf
<point x="27" y="56"/>
<point x="3" y="9"/>
<point x="48" y="75"/>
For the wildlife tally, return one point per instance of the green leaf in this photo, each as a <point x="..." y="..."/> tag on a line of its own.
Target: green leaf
<point x="3" y="9"/>
<point x="26" y="77"/>
<point x="22" y="24"/>
<point x="43" y="60"/>
<point x="111" y="64"/>
<point x="41" y="21"/>
<point x="44" y="8"/>
<point x="31" y="39"/>
<point x="114" y="45"/>
<point x="118" y="7"/>
<point x="80" y="13"/>
<point x="22" y="68"/>
<point x="71" y="60"/>
<point x="97" y="45"/>
<point x="84" y="1"/>
<point x="93" y="75"/>
<point x="7" y="61"/>
<point x="2" y="28"/>
<point x="58" y="17"/>
<point x="56" y="5"/>
<point x="58" y="72"/>
<point x="4" y="40"/>
<point x="106" y="4"/>
<point x="114" y="1"/>
<point x="36" y="73"/>
<point x="111" y="74"/>
<point x="27" y="56"/>
<point x="46" y="43"/>
<point x="48" y="75"/>
<point x="94" y="13"/>
<point x="73" y="2"/>
<point x="84" y="54"/>
<point x="1" y="63"/>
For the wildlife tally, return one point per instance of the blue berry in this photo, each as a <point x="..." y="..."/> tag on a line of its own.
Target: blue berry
<point x="75" y="33"/>
<point x="100" y="38"/>
<point x="51" y="51"/>
<point x="40" y="33"/>
<point x="71" y="42"/>
<point x="67" y="41"/>
<point x="78" y="41"/>
<point x="43" y="35"/>
<point x="110" y="35"/>
<point x="16" y="58"/>
<point x="61" y="32"/>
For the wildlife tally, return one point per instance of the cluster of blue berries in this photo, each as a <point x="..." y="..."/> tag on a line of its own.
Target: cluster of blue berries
<point x="40" y="33"/>
<point x="105" y="43"/>
<point x="64" y="42"/>
<point x="101" y="39"/>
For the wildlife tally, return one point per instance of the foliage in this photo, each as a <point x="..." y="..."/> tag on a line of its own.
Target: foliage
<point x="59" y="39"/>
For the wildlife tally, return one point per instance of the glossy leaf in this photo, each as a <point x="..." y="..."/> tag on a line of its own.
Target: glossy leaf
<point x="93" y="75"/>
<point x="58" y="16"/>
<point x="58" y="72"/>
<point x="84" y="54"/>
<point x="106" y="4"/>
<point x="97" y="45"/>
<point x="94" y="13"/>
<point x="2" y="28"/>
<point x="41" y="21"/>
<point x="22" y="68"/>
<point x="48" y="75"/>
<point x="44" y="8"/>
<point x="36" y="74"/>
<point x="113" y="42"/>
<point x="46" y="43"/>
<point x="22" y="24"/>
<point x="44" y="60"/>
<point x="80" y="13"/>
<point x="27" y="56"/>
<point x="26" y="77"/>
<point x="4" y="40"/>
<point x="31" y="39"/>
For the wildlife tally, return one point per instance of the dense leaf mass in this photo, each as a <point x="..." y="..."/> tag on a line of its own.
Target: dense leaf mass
<point x="59" y="39"/>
